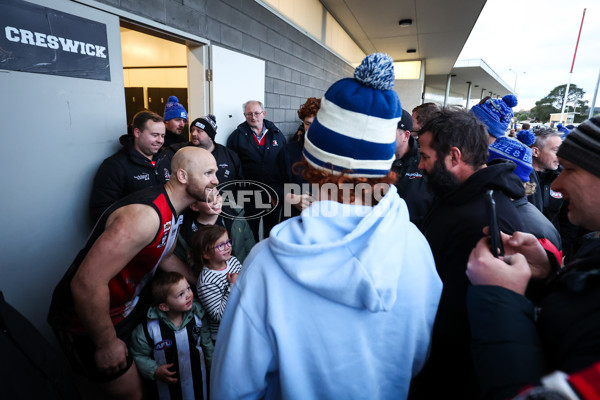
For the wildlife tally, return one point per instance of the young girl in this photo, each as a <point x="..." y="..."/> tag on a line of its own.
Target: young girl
<point x="210" y="256"/>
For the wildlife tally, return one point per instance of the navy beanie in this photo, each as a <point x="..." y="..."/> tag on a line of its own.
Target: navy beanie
<point x="515" y="151"/>
<point x="496" y="114"/>
<point x="582" y="146"/>
<point x="174" y="110"/>
<point x="208" y="124"/>
<point x="354" y="132"/>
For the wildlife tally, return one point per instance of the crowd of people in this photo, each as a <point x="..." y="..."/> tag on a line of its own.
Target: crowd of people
<point x="379" y="283"/>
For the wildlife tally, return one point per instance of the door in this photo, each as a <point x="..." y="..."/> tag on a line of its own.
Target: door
<point x="237" y="78"/>
<point x="134" y="101"/>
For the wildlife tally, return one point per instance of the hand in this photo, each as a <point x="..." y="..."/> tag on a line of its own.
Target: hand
<point x="162" y="373"/>
<point x="511" y="271"/>
<point x="232" y="277"/>
<point x="112" y="357"/>
<point x="300" y="201"/>
<point x="529" y="246"/>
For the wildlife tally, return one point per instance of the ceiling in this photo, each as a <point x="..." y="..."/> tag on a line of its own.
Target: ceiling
<point x="438" y="33"/>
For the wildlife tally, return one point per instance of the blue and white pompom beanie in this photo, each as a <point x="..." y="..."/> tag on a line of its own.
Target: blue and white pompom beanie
<point x="496" y="114"/>
<point x="174" y="110"/>
<point x="354" y="132"/>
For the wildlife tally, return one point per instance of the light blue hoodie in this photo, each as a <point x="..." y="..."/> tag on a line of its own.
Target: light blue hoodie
<point x="338" y="303"/>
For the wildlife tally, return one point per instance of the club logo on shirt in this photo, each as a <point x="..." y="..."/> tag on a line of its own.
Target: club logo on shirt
<point x="413" y="175"/>
<point x="275" y="143"/>
<point x="167" y="175"/>
<point x="163" y="345"/>
<point x="556" y="195"/>
<point x="142" y="177"/>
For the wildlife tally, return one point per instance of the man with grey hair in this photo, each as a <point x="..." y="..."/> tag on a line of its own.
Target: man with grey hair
<point x="257" y="142"/>
<point x="546" y="169"/>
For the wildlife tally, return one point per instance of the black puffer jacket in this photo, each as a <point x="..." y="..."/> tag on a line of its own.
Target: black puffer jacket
<point x="453" y="227"/>
<point x="515" y="343"/>
<point x="125" y="172"/>
<point x="411" y="183"/>
<point x="258" y="163"/>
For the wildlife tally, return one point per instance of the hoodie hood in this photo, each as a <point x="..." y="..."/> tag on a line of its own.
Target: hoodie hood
<point x="498" y="175"/>
<point x="346" y="253"/>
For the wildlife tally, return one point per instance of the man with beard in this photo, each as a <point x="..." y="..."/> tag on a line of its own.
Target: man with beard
<point x="203" y="131"/>
<point x="454" y="152"/>
<point x="100" y="299"/>
<point x="175" y="118"/>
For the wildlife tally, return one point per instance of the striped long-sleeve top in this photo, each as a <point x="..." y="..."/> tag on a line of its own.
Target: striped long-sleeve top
<point x="213" y="292"/>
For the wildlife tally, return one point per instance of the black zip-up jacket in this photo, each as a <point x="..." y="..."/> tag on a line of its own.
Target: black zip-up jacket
<point x="258" y="164"/>
<point x="125" y="172"/>
<point x="412" y="183"/>
<point x="453" y="227"/>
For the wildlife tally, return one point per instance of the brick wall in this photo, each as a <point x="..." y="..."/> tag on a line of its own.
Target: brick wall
<point x="296" y="66"/>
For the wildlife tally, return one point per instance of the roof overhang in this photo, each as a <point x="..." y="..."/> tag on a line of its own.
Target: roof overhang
<point x="476" y="71"/>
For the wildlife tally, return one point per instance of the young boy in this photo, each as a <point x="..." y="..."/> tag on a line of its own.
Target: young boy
<point x="174" y="347"/>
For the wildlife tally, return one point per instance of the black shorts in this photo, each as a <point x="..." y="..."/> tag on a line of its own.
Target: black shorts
<point x="81" y="350"/>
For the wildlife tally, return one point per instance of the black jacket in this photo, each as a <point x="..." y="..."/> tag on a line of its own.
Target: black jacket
<point x="412" y="183"/>
<point x="125" y="172"/>
<point x="536" y="223"/>
<point x="285" y="173"/>
<point x="515" y="343"/>
<point x="172" y="138"/>
<point x="258" y="164"/>
<point x="545" y="199"/>
<point x="453" y="227"/>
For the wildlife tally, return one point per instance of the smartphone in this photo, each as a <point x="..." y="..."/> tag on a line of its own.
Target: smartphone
<point x="496" y="243"/>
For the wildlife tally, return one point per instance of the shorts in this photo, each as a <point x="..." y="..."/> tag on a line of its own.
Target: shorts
<point x="81" y="350"/>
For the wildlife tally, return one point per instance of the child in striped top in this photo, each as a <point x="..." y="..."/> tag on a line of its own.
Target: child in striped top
<point x="210" y="257"/>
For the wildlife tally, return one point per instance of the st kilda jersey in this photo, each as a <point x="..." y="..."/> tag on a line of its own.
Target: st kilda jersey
<point x="126" y="286"/>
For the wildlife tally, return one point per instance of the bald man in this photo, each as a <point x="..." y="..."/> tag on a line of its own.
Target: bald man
<point x="101" y="298"/>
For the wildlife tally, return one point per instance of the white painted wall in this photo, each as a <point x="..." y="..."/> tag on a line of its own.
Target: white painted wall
<point x="56" y="132"/>
<point x="237" y="78"/>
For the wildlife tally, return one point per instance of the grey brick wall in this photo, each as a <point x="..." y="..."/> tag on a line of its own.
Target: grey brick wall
<point x="296" y="66"/>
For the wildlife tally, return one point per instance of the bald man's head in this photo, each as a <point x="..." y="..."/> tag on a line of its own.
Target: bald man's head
<point x="195" y="168"/>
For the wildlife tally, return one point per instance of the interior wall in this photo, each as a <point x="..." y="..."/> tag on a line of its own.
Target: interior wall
<point x="144" y="55"/>
<point x="409" y="91"/>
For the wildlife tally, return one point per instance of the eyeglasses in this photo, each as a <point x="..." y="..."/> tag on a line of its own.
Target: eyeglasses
<point x="255" y="114"/>
<point x="224" y="245"/>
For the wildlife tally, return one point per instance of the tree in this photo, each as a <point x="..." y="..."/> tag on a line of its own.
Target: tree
<point x="553" y="102"/>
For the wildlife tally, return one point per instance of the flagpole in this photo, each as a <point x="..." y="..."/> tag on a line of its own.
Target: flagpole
<point x="562" y="111"/>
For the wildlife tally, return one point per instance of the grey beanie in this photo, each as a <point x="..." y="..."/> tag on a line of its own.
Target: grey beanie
<point x="582" y="146"/>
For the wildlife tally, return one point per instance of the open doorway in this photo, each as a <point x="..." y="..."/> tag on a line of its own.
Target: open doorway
<point x="154" y="68"/>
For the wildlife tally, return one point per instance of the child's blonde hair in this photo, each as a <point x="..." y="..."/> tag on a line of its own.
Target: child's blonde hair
<point x="202" y="243"/>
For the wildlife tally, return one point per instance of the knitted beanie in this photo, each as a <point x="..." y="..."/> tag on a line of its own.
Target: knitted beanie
<point x="208" y="124"/>
<point x="582" y="146"/>
<point x="526" y="137"/>
<point x="515" y="151"/>
<point x="354" y="132"/>
<point x="174" y="110"/>
<point x="496" y="114"/>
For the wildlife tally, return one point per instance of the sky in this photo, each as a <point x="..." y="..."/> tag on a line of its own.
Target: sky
<point x="536" y="39"/>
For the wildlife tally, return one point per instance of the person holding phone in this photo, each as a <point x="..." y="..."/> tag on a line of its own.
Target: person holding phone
<point x="515" y="341"/>
<point x="454" y="153"/>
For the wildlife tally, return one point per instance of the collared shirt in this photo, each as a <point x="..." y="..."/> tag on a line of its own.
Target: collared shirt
<point x="260" y="139"/>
